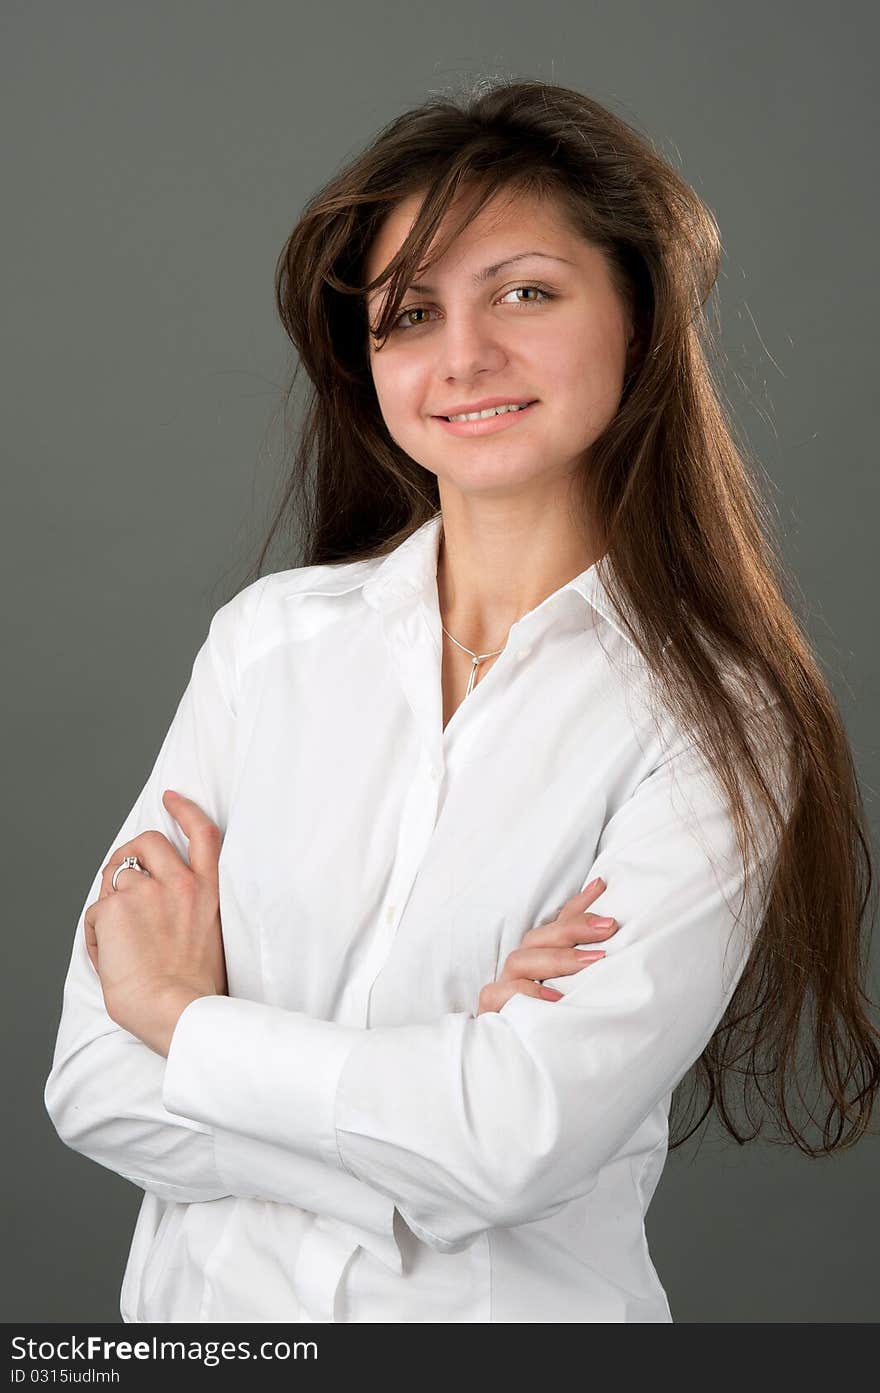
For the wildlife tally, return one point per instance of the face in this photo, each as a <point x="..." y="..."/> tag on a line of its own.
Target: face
<point x="548" y="328"/>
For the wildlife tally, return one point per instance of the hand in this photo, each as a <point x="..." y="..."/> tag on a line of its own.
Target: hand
<point x="547" y="951"/>
<point x="156" y="942"/>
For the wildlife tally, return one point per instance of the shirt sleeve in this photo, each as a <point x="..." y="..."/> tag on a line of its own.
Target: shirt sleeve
<point x="472" y="1122"/>
<point x="104" y="1091"/>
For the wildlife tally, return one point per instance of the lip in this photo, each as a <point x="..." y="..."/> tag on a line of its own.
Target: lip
<point x="491" y="423"/>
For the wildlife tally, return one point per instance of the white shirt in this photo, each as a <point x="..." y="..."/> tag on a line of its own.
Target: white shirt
<point x="343" y="1138"/>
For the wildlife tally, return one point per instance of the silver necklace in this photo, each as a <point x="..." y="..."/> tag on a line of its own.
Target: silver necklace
<point x="477" y="658"/>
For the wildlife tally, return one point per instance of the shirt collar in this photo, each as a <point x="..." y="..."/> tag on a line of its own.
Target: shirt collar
<point x="410" y="572"/>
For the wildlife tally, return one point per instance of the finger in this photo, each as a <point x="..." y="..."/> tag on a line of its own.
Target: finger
<point x="204" y="836"/>
<point x="577" y="903"/>
<point x="90" y="935"/>
<point x="538" y="963"/>
<point x="577" y="928"/>
<point x="93" y="955"/>
<point x="584" y="897"/>
<point x="122" y="880"/>
<point x="495" y="994"/>
<point x="156" y="854"/>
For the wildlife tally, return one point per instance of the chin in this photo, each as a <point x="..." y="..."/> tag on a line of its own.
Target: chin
<point x="484" y="480"/>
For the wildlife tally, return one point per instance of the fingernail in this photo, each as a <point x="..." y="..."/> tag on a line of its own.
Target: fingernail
<point x="589" y="956"/>
<point x="602" y="923"/>
<point x="551" y="994"/>
<point x="593" y="883"/>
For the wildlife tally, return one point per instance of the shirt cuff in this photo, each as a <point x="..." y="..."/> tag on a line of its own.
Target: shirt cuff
<point x="258" y="1069"/>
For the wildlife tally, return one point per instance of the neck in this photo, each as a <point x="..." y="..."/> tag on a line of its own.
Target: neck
<point x="493" y="570"/>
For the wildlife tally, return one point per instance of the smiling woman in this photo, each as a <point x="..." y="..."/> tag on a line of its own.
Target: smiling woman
<point x="534" y="802"/>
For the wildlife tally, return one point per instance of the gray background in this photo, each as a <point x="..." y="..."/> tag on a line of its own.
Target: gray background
<point x="155" y="159"/>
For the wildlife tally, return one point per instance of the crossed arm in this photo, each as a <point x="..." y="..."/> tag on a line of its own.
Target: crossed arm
<point x="462" y="1123"/>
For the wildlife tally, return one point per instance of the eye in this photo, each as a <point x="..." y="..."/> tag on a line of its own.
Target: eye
<point x="523" y="304"/>
<point x="545" y="294"/>
<point x="416" y="309"/>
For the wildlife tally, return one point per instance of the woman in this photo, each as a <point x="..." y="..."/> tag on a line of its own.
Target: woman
<point x="534" y="658"/>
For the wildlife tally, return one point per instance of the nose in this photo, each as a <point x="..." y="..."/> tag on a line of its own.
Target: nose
<point x="467" y="345"/>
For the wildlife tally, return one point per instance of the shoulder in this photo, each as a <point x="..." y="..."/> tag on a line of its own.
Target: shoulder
<point x="336" y="579"/>
<point x="274" y="590"/>
<point x="267" y="612"/>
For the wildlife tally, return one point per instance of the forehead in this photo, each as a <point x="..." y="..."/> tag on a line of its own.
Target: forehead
<point x="503" y="220"/>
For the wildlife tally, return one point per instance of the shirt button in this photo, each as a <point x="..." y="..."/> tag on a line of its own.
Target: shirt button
<point x="524" y="651"/>
<point x="389" y="914"/>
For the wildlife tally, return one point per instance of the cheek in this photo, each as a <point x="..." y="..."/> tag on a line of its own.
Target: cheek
<point x="596" y="359"/>
<point x="398" y="387"/>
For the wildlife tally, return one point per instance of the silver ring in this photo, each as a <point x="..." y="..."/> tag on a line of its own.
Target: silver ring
<point x="131" y="863"/>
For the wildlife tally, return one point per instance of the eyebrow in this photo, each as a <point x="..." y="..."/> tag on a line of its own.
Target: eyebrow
<point x="487" y="271"/>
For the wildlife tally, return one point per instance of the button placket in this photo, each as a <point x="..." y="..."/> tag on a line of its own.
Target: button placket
<point x="465" y="728"/>
<point x="416" y="660"/>
<point x="328" y="1246"/>
<point x="418" y="820"/>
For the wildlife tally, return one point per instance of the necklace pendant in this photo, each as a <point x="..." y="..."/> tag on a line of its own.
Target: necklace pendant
<point x="471" y="679"/>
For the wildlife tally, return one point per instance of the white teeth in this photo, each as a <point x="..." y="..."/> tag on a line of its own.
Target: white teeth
<point x="490" y="411"/>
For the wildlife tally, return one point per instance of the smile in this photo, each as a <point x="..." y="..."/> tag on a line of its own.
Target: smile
<point x="485" y="422"/>
<point x="490" y="411"/>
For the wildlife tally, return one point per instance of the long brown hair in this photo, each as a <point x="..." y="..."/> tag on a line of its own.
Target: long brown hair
<point x="682" y="519"/>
